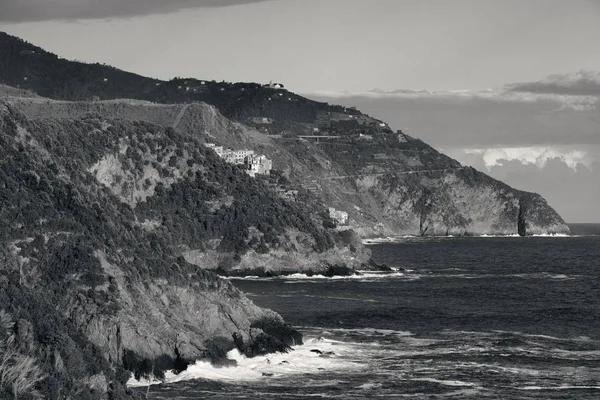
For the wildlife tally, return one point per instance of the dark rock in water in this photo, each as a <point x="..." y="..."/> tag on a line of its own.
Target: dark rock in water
<point x="372" y="265"/>
<point x="280" y="330"/>
<point x="323" y="353"/>
<point x="217" y="349"/>
<point x="340" y="270"/>
<point x="260" y="345"/>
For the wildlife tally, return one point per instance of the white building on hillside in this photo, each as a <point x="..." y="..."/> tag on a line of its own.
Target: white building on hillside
<point x="236" y="156"/>
<point x="341" y="217"/>
<point x="254" y="164"/>
<point x="272" y="85"/>
<point x="258" y="165"/>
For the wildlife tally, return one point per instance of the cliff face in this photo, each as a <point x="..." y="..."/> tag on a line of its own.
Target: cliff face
<point x="389" y="183"/>
<point x="95" y="288"/>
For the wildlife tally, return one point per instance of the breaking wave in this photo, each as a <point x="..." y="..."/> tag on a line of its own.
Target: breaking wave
<point x="363" y="276"/>
<point x="314" y="357"/>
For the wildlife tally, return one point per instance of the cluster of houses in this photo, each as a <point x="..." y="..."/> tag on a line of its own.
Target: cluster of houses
<point x="255" y="164"/>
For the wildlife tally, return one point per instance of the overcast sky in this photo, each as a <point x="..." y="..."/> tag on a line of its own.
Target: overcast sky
<point x="321" y="44"/>
<point x="527" y="113"/>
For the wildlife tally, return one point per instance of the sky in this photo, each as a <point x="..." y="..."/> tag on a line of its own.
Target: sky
<point x="510" y="87"/>
<point x="321" y="44"/>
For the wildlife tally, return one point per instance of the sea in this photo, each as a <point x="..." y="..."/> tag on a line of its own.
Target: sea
<point x="460" y="318"/>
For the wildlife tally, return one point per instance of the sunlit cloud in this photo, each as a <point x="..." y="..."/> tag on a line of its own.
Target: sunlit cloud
<point x="581" y="83"/>
<point x="562" y="101"/>
<point x="537" y="156"/>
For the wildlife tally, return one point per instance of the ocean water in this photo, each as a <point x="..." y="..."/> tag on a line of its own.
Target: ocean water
<point x="463" y="318"/>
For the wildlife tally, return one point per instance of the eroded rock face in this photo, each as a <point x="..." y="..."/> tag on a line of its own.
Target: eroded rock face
<point x="454" y="202"/>
<point x="394" y="187"/>
<point x="162" y="326"/>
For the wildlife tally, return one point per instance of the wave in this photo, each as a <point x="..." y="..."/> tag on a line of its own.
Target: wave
<point x="554" y="235"/>
<point x="374" y="276"/>
<point x="314" y="357"/>
<point x="363" y="276"/>
<point x="407" y="238"/>
<point x="142" y="382"/>
<point x="389" y="239"/>
<point x="565" y="387"/>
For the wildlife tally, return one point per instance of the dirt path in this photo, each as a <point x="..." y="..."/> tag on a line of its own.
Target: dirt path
<point x="180" y="116"/>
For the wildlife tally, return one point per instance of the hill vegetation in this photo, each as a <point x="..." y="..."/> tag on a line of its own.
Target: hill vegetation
<point x="98" y="216"/>
<point x="26" y="66"/>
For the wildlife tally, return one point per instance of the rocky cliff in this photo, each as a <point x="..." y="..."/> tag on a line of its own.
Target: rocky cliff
<point x="388" y="182"/>
<point x="94" y="287"/>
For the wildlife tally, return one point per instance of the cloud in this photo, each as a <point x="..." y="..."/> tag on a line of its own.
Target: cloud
<point x="582" y="83"/>
<point x="508" y="95"/>
<point x="14" y="11"/>
<point x="537" y="156"/>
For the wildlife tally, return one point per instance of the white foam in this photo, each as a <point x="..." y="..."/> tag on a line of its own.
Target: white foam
<point x="247" y="278"/>
<point x="364" y="276"/>
<point x="300" y="361"/>
<point x="500" y="236"/>
<point x="389" y="239"/>
<point x="143" y="382"/>
<point x="401" y="239"/>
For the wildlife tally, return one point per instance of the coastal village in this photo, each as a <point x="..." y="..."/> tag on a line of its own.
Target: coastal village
<point x="254" y="164"/>
<point x="257" y="164"/>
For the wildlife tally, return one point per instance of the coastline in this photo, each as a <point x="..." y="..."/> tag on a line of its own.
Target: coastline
<point x="400" y="239"/>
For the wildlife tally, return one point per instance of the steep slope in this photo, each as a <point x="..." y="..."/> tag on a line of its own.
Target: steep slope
<point x="95" y="290"/>
<point x="389" y="183"/>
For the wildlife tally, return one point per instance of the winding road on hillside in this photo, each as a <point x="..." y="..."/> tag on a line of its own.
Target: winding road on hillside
<point x="392" y="173"/>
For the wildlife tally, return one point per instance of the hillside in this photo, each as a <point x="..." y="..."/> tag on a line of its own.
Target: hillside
<point x="26" y="66"/>
<point x="100" y="217"/>
<point x="388" y="182"/>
